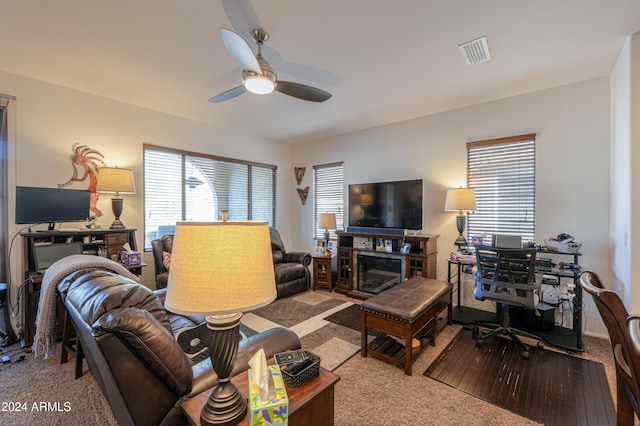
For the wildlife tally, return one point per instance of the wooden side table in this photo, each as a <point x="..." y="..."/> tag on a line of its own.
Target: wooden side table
<point x="309" y="404"/>
<point x="322" y="274"/>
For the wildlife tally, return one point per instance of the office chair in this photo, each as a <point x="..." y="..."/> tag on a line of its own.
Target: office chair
<point x="506" y="276"/>
<point x="624" y="335"/>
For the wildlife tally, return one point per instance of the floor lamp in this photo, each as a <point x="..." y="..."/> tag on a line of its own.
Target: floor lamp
<point x="221" y="269"/>
<point x="461" y="200"/>
<point x="118" y="181"/>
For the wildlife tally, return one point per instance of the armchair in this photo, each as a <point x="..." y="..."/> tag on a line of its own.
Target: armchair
<point x="291" y="268"/>
<point x="131" y="347"/>
<point x="159" y="247"/>
<point x="506" y="276"/>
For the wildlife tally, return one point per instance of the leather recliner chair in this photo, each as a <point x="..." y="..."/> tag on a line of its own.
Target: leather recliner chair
<point x="291" y="268"/>
<point x="128" y="339"/>
<point x="159" y="246"/>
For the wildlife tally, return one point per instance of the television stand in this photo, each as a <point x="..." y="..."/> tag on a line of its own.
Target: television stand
<point x="382" y="254"/>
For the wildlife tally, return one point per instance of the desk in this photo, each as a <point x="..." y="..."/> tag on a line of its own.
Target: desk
<point x="559" y="336"/>
<point x="309" y="404"/>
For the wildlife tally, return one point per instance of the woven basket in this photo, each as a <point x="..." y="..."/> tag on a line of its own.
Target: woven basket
<point x="295" y="380"/>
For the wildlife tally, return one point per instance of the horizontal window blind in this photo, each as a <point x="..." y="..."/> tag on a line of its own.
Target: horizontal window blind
<point x="328" y="195"/>
<point x="187" y="186"/>
<point x="502" y="173"/>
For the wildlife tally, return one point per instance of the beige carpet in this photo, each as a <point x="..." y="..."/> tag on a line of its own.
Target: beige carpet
<point x="369" y="391"/>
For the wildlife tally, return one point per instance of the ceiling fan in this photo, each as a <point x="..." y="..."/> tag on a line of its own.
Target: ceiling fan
<point x="257" y="75"/>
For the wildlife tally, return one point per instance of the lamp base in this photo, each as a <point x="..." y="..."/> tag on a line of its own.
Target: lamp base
<point x="460" y="241"/>
<point x="117" y="224"/>
<point x="460" y="223"/>
<point x="117" y="205"/>
<point x="226" y="406"/>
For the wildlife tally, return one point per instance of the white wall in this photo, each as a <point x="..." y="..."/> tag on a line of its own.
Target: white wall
<point x="572" y="163"/>
<point x="49" y="119"/>
<point x="621" y="174"/>
<point x="634" y="282"/>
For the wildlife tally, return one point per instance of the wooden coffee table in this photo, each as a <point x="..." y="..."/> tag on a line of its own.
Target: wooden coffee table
<point x="309" y="404"/>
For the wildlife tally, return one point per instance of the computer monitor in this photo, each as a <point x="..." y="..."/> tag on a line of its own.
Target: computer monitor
<point x="507" y="241"/>
<point x="46" y="255"/>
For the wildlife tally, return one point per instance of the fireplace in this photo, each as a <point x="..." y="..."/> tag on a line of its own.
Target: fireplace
<point x="376" y="273"/>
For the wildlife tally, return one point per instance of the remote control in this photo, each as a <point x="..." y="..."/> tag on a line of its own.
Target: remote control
<point x="299" y="367"/>
<point x="290" y="357"/>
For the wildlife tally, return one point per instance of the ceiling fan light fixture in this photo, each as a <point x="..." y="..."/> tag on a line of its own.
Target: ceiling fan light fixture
<point x="259" y="84"/>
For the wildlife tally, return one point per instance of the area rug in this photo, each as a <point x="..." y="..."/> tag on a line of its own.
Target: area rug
<point x="349" y="317"/>
<point x="306" y="314"/>
<point x="498" y="374"/>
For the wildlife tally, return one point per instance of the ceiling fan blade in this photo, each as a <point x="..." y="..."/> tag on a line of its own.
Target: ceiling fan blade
<point x="302" y="91"/>
<point x="240" y="50"/>
<point x="229" y="94"/>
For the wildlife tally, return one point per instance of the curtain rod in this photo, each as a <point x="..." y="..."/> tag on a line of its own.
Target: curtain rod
<point x="11" y="98"/>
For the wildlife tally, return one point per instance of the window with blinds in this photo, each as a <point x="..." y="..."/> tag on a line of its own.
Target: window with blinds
<point x="502" y="172"/>
<point x="187" y="186"/>
<point x="328" y="185"/>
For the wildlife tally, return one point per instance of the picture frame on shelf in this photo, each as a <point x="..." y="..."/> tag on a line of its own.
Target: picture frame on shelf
<point x="406" y="248"/>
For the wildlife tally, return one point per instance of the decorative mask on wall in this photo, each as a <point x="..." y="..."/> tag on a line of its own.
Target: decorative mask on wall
<point x="90" y="161"/>
<point x="299" y="173"/>
<point x="303" y="194"/>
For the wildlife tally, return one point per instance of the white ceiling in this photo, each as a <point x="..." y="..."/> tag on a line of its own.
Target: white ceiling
<point x="383" y="61"/>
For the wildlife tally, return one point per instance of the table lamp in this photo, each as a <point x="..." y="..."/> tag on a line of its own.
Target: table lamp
<point x="461" y="200"/>
<point x="221" y="269"/>
<point x="118" y="181"/>
<point x="327" y="221"/>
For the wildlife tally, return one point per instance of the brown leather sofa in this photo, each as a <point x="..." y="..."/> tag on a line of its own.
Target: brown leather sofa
<point x="291" y="268"/>
<point x="129" y="342"/>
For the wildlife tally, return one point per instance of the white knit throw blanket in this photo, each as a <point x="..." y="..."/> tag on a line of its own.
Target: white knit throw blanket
<point x="44" y="341"/>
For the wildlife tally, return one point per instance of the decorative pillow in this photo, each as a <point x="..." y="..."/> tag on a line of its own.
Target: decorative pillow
<point x="166" y="259"/>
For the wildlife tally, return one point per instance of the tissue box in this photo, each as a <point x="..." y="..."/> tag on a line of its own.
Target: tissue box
<point x="273" y="412"/>
<point x="130" y="258"/>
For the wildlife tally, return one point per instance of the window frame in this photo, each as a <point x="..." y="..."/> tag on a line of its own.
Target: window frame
<point x="185" y="154"/>
<point x="514" y="160"/>
<point x="331" y="203"/>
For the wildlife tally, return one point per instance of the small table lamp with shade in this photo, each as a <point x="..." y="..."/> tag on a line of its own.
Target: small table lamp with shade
<point x="118" y="181"/>
<point x="461" y="200"/>
<point x="327" y="221"/>
<point x="221" y="269"/>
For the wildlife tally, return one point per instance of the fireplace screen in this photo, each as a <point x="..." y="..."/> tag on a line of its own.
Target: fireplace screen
<point x="376" y="274"/>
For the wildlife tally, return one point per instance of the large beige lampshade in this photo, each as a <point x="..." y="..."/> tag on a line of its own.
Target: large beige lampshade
<point x="116" y="180"/>
<point x="327" y="221"/>
<point x="220" y="268"/>
<point x="460" y="199"/>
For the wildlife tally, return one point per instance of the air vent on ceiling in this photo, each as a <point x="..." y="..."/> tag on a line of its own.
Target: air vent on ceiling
<point x="475" y="51"/>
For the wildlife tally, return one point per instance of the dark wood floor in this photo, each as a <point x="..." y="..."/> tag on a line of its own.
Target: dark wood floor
<point x="551" y="388"/>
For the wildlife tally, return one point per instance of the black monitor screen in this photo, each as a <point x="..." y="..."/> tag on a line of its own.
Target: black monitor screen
<point x="48" y="205"/>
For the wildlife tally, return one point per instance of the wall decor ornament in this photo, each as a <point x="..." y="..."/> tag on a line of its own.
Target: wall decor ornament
<point x="90" y="160"/>
<point x="299" y="173"/>
<point x="303" y="193"/>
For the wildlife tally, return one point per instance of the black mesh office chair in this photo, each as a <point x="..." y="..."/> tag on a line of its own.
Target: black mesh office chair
<point x="506" y="276"/>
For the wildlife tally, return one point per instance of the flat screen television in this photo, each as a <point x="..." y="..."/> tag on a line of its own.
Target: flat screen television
<point x="386" y="204"/>
<point x="51" y="205"/>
